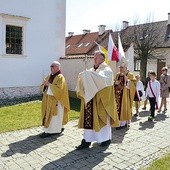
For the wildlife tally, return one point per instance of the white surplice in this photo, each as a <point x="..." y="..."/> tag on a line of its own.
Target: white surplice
<point x="56" y="121"/>
<point x="104" y="134"/>
<point x="92" y="81"/>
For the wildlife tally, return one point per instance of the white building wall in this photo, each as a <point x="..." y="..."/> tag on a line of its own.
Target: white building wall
<point x="130" y="57"/>
<point x="152" y="65"/>
<point x="44" y="41"/>
<point x="72" y="67"/>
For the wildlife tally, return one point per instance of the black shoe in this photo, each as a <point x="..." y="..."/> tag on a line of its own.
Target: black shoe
<point x="120" y="127"/>
<point x="83" y="145"/>
<point x="52" y="134"/>
<point x="144" y="108"/>
<point x="126" y="126"/>
<point x="150" y="118"/>
<point x="62" y="130"/>
<point x="105" y="143"/>
<point x="165" y="110"/>
<point x="45" y="135"/>
<point x="136" y="114"/>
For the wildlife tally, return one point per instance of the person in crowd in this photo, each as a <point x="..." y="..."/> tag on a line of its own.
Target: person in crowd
<point x="138" y="94"/>
<point x="164" y="82"/>
<point x="125" y="87"/>
<point x="153" y="93"/>
<point x="55" y="102"/>
<point x="146" y="84"/>
<point x="98" y="106"/>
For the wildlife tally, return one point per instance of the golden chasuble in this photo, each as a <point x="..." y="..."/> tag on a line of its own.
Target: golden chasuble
<point x="125" y="96"/>
<point x="94" y="111"/>
<point x="49" y="103"/>
<point x="119" y="92"/>
<point x="103" y="105"/>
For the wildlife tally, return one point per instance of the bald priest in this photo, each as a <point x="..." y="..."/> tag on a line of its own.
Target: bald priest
<point x="98" y="106"/>
<point x="55" y="102"/>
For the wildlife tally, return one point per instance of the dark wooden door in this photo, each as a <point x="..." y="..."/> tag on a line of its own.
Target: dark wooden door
<point x="160" y="63"/>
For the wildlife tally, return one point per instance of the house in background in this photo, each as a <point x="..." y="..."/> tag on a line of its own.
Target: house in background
<point x="160" y="31"/>
<point x="32" y="35"/>
<point x="80" y="50"/>
<point x="79" y="53"/>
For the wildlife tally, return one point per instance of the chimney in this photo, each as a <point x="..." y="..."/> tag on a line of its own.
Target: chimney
<point x="101" y="29"/>
<point x="86" y="31"/>
<point x="125" y="24"/>
<point x="168" y="18"/>
<point x="70" y="34"/>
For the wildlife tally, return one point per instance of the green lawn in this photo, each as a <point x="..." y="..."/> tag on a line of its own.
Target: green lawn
<point x="25" y="115"/>
<point x="28" y="114"/>
<point x="161" y="164"/>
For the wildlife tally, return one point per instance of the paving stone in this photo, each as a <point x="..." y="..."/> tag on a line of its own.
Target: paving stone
<point x="121" y="166"/>
<point x="130" y="149"/>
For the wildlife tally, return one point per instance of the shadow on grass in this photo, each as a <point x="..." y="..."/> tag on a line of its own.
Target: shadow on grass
<point x="14" y="101"/>
<point x="28" y="145"/>
<point x="75" y="104"/>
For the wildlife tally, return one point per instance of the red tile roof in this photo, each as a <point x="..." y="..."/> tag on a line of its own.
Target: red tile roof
<point x="84" y="43"/>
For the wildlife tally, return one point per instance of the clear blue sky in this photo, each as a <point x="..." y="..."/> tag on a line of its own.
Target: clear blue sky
<point x="88" y="14"/>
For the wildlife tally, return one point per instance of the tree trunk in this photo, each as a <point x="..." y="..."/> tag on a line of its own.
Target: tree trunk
<point x="143" y="69"/>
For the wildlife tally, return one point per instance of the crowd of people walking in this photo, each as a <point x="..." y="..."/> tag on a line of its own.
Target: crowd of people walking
<point x="106" y="100"/>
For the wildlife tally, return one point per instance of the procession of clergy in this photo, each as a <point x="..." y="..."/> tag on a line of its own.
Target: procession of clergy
<point x="106" y="101"/>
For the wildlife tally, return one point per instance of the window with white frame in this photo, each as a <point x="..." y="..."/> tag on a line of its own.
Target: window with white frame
<point x="137" y="65"/>
<point x="14" y="39"/>
<point x="13" y="35"/>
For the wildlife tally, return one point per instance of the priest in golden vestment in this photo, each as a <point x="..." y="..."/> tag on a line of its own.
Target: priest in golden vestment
<point x="125" y="87"/>
<point x="55" y="102"/>
<point x="98" y="106"/>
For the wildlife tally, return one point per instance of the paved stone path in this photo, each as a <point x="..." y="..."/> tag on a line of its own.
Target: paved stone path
<point x="130" y="149"/>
